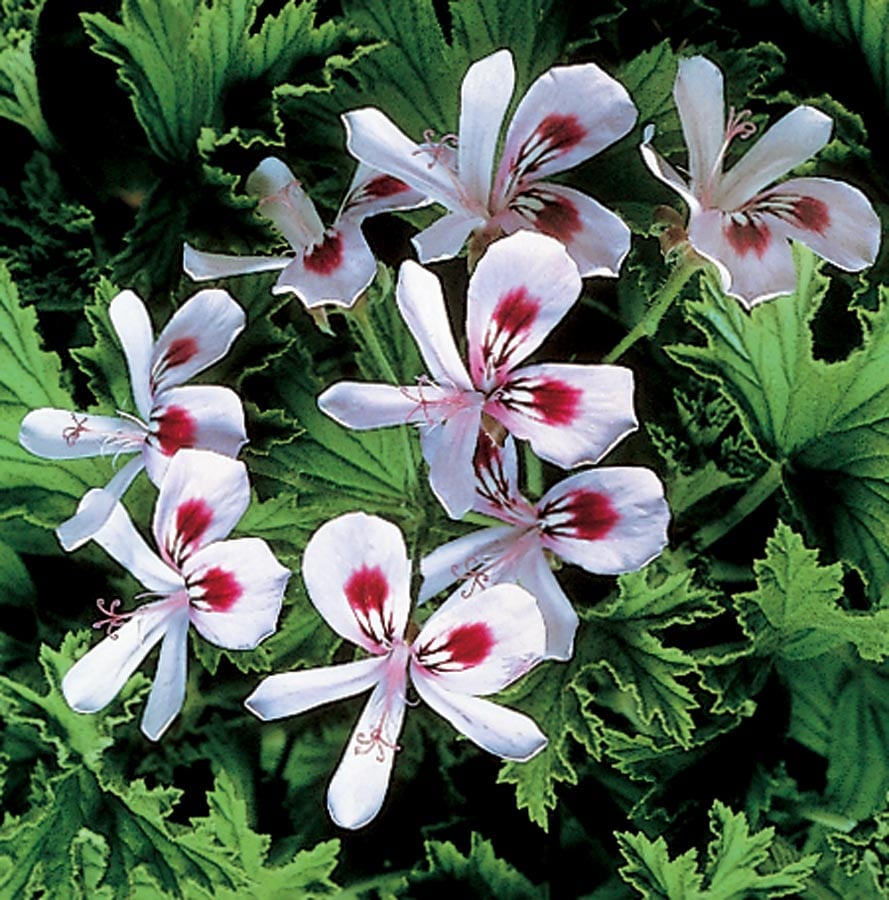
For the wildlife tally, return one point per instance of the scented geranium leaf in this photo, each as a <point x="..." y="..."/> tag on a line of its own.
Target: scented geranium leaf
<point x="825" y="423"/>
<point x="19" y="97"/>
<point x="799" y="599"/>
<point x="89" y="852"/>
<point x="865" y="849"/>
<point x="35" y="493"/>
<point x="18" y="588"/>
<point x="735" y="857"/>
<point x="480" y="872"/>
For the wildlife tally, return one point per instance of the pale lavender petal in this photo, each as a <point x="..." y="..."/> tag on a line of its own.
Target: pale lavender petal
<point x="532" y="571"/>
<point x="357" y="404"/>
<point x="664" y="172"/>
<point x="373" y="192"/>
<point x="62" y="434"/>
<point x="449" y="449"/>
<point x="444" y="238"/>
<point x="168" y="689"/>
<point x="200" y="265"/>
<point x="699" y="99"/>
<point x="133" y="326"/>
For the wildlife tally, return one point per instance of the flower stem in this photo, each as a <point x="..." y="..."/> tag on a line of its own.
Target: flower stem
<point x="647" y="326"/>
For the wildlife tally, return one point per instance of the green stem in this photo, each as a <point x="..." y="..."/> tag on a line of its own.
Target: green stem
<point x="647" y="326"/>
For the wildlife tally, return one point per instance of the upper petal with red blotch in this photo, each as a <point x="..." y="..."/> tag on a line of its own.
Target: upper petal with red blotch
<point x="373" y="192"/>
<point x="699" y="95"/>
<point x="497" y="481"/>
<point x="607" y="520"/>
<point x="520" y="290"/>
<point x="481" y="642"/>
<point x="448" y="448"/>
<point x="133" y="326"/>
<point x="357" y="574"/>
<point x="569" y="114"/>
<point x="571" y="414"/>
<point x="199" y="333"/>
<point x="235" y="588"/>
<point x="201" y="499"/>
<point x="596" y="239"/>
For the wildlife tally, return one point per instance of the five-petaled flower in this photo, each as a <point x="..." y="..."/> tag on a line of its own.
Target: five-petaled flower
<point x="170" y="416"/>
<point x="737" y="225"/>
<point x="357" y="574"/>
<point x="230" y="590"/>
<point x="569" y="114"/>
<point x="606" y="520"/>
<point x="570" y="413"/>
<point x="331" y="266"/>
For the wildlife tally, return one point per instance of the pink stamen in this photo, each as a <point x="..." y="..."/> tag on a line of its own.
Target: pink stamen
<point x="471" y="570"/>
<point x="113" y="619"/>
<point x="420" y="400"/>
<point x="375" y="741"/>
<point x="436" y="147"/>
<point x="739" y="125"/>
<point x="73" y="432"/>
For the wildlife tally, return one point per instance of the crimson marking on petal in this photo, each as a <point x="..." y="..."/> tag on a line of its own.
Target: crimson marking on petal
<point x="174" y="429"/>
<point x="492" y="481"/>
<point x="512" y="318"/>
<point x="181" y="351"/>
<point x="384" y="186"/>
<point x="221" y="590"/>
<point x="811" y="214"/>
<point x="556" y="402"/>
<point x="558" y="218"/>
<point x="461" y="648"/>
<point x="193" y="518"/>
<point x="584" y="515"/>
<point x="366" y="591"/>
<point x="561" y="132"/>
<point x="748" y="236"/>
<point x="327" y="256"/>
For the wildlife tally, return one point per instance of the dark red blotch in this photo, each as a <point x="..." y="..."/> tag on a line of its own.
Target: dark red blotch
<point x="327" y="256"/>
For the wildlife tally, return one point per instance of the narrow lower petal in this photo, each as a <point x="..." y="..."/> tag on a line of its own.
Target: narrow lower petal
<point x="202" y="266"/>
<point x="445" y="238"/>
<point x="792" y="140"/>
<point x="133" y="326"/>
<point x="357" y="574"/>
<point x="421" y="304"/>
<point x="699" y="94"/>
<point x="449" y="449"/>
<point x="497" y="481"/>
<point x="358" y="787"/>
<point x="664" y="172"/>
<point x="373" y="192"/>
<point x="168" y="690"/>
<point x="357" y="404"/>
<point x="520" y="290"/>
<point x="200" y="500"/>
<point x="533" y="573"/>
<point x="235" y="588"/>
<point x="200" y="332"/>
<point x="571" y="414"/>
<point x="291" y="693"/>
<point x="479" y="643"/>
<point x="607" y="520"/>
<point x="62" y="434"/>
<point x="501" y="731"/>
<point x="596" y="239"/>
<point x="96" y="506"/>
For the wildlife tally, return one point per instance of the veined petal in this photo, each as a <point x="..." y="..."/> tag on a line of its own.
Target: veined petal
<point x="792" y="140"/>
<point x="607" y="520"/>
<point x="532" y="571"/>
<point x="168" y="690"/>
<point x="357" y="574"/>
<point x="359" y="785"/>
<point x="569" y="114"/>
<point x="96" y="678"/>
<point x="372" y="138"/>
<point x="200" y="500"/>
<point x="596" y="238"/>
<point x="373" y="192"/>
<point x="444" y="238"/>
<point x="200" y="265"/>
<point x="754" y="262"/>
<point x="571" y="414"/>
<point x="504" y="732"/>
<point x="664" y="172"/>
<point x="235" y="588"/>
<point x="283" y="201"/>
<point x="699" y="95"/>
<point x="290" y="693"/>
<point x="481" y="642"/>
<point x="448" y="449"/>
<point x="484" y="96"/>
<point x="96" y="506"/>
<point x="202" y="417"/>
<point x="421" y="304"/>
<point x="133" y="326"/>
<point x="520" y="290"/>
<point x="357" y="404"/>
<point x="497" y="481"/>
<point x="62" y="434"/>
<point x="199" y="333"/>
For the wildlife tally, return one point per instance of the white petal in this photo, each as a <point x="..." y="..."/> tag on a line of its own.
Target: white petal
<point x="571" y="414"/>
<point x="236" y="588"/>
<point x="359" y="785"/>
<point x="596" y="239"/>
<point x="290" y="693"/>
<point x="422" y="306"/>
<point x="357" y="574"/>
<point x="520" y="290"/>
<point x="283" y="201"/>
<point x="501" y="731"/>
<point x="484" y="96"/>
<point x="199" y="333"/>
<point x="200" y="500"/>
<point x="497" y="481"/>
<point x="61" y="434"/>
<point x="478" y="643"/>
<point x="202" y="266"/>
<point x="133" y="326"/>
<point x="96" y="678"/>
<point x="449" y="449"/>
<point x="532" y="571"/>
<point x="790" y="141"/>
<point x="699" y="92"/>
<point x="663" y="171"/>
<point x="444" y="238"/>
<point x="168" y="690"/>
<point x="356" y="404"/>
<point x="373" y="192"/>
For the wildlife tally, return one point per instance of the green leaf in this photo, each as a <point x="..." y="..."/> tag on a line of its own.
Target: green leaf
<point x="824" y="422"/>
<point x="866" y="849"/>
<point x="19" y="97"/>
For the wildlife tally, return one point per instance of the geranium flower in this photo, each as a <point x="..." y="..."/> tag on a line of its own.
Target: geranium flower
<point x="330" y="266"/>
<point x="569" y="114"/>
<point x="230" y="591"/>
<point x="357" y="573"/>
<point x="607" y="521"/>
<point x="741" y="228"/>
<point x="571" y="414"/>
<point x="169" y="416"/>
